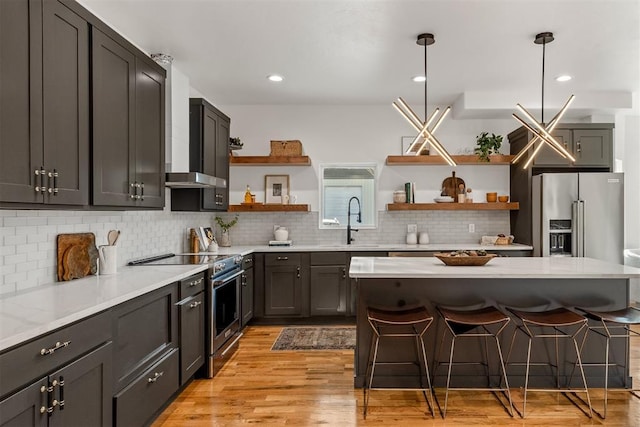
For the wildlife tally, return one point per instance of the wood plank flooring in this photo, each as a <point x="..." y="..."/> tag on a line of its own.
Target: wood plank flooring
<point x="305" y="388"/>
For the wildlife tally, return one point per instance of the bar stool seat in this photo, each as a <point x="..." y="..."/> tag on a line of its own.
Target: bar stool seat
<point x="475" y="323"/>
<point x="612" y="321"/>
<point x="548" y="324"/>
<point x="410" y="323"/>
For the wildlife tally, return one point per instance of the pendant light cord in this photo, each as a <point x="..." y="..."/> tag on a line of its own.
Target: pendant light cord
<point x="544" y="44"/>
<point x="425" y="81"/>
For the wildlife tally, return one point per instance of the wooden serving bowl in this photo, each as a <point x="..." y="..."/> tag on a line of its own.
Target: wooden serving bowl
<point x="492" y="197"/>
<point x="503" y="199"/>
<point x="477" y="260"/>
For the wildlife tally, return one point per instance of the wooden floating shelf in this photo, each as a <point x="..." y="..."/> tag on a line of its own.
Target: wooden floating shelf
<point x="259" y="207"/>
<point x="472" y="159"/>
<point x="270" y="160"/>
<point x="514" y="206"/>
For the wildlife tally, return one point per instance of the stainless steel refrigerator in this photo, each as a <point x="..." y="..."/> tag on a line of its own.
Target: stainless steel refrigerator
<point x="579" y="215"/>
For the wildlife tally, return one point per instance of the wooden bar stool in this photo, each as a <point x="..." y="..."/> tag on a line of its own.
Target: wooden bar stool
<point x="612" y="321"/>
<point x="411" y="323"/>
<point x="484" y="322"/>
<point x="548" y="324"/>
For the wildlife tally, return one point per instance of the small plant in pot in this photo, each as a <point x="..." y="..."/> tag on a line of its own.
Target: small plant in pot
<point x="487" y="145"/>
<point x="225" y="239"/>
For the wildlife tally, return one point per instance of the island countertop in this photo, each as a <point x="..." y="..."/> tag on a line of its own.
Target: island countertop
<point x="501" y="267"/>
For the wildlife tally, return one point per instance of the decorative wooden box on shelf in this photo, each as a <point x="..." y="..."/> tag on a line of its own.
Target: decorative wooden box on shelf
<point x="513" y="206"/>
<point x="270" y="160"/>
<point x="260" y="207"/>
<point x="472" y="159"/>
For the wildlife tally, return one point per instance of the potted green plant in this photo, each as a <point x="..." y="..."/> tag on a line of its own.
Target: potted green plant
<point x="487" y="145"/>
<point x="225" y="239"/>
<point x="235" y="143"/>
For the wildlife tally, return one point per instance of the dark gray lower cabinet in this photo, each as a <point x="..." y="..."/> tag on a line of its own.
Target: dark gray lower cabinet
<point x="328" y="283"/>
<point x="77" y="394"/>
<point x="247" y="288"/>
<point x="192" y="334"/>
<point x="140" y="400"/>
<point x="145" y="355"/>
<point x="285" y="293"/>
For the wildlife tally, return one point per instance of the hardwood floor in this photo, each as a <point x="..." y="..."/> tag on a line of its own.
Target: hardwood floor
<point x="303" y="388"/>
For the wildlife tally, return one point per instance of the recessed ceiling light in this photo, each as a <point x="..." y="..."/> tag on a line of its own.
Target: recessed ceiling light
<point x="419" y="79"/>
<point x="563" y="78"/>
<point x="275" y="78"/>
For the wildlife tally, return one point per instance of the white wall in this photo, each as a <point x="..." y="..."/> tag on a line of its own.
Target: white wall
<point x="339" y="134"/>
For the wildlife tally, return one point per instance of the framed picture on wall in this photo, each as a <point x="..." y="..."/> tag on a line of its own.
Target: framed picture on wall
<point x="406" y="143"/>
<point x="276" y="189"/>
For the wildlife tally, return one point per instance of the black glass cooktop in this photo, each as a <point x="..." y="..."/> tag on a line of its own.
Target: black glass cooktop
<point x="173" y="259"/>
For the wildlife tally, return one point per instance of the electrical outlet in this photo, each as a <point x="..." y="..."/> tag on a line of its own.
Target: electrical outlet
<point x="472" y="228"/>
<point x="412" y="228"/>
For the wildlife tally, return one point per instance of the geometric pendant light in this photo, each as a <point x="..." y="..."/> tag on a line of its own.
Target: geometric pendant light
<point x="425" y="133"/>
<point x="542" y="133"/>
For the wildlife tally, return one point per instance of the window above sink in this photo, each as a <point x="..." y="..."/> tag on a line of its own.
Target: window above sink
<point x="338" y="184"/>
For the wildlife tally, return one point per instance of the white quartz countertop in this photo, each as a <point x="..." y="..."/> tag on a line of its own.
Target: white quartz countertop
<point x="501" y="267"/>
<point x="365" y="247"/>
<point x="34" y="312"/>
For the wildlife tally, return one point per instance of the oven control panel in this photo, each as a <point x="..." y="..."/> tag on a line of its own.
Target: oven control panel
<point x="218" y="267"/>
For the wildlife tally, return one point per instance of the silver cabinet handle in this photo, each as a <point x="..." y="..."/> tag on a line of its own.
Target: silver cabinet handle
<point x="344" y="273"/>
<point x="195" y="282"/>
<point x="132" y="192"/>
<point x="298" y="272"/>
<point x="53" y="186"/>
<point x="40" y="173"/>
<point x="51" y="350"/>
<point x="155" y="377"/>
<point x="578" y="147"/>
<point x="195" y="304"/>
<point x="282" y="258"/>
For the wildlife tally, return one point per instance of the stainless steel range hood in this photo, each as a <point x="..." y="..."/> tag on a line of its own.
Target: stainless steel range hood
<point x="193" y="180"/>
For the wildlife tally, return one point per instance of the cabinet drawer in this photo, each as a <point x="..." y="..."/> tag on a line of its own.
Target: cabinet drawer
<point x="282" y="259"/>
<point x="40" y="356"/>
<point x="192" y="285"/>
<point x="328" y="258"/>
<point x="145" y="396"/>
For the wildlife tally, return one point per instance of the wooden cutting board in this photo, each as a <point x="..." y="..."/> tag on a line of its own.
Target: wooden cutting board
<point x="77" y="255"/>
<point x="450" y="186"/>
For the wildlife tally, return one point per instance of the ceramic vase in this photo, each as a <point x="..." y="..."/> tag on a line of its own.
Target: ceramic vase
<point x="225" y="239"/>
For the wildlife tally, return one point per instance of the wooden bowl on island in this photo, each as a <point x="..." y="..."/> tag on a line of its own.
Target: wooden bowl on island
<point x="453" y="259"/>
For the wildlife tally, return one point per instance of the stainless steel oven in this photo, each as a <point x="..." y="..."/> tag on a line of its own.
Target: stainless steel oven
<point x="224" y="302"/>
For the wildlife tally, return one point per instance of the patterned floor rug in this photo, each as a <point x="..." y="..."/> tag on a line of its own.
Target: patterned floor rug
<point x="316" y="338"/>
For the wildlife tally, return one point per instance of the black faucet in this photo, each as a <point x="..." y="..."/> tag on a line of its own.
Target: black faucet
<point x="349" y="229"/>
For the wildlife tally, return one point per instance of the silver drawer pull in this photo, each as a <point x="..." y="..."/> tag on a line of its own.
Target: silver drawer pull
<point x="58" y="346"/>
<point x="283" y="258"/>
<point x="155" y="377"/>
<point x="43" y="409"/>
<point x="195" y="282"/>
<point x="195" y="304"/>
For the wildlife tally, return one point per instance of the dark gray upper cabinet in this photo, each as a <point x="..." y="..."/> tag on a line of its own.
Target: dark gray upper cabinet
<point x="128" y="127"/>
<point x="209" y="154"/>
<point x="590" y="143"/>
<point x="44" y="81"/>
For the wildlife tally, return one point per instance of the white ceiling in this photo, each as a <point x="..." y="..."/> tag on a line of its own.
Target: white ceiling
<point x="364" y="51"/>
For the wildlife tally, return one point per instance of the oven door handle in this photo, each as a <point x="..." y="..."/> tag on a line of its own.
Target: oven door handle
<point x="224" y="279"/>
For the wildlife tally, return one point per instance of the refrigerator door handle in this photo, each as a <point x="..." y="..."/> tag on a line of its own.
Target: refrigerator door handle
<point x="575" y="225"/>
<point x="580" y="228"/>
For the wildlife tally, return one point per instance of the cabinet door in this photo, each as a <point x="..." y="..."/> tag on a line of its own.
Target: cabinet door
<point x="222" y="162"/>
<point x="113" y="118"/>
<point x="208" y="161"/>
<point x="144" y="330"/>
<point x="328" y="293"/>
<point x="84" y="391"/>
<point x="549" y="157"/>
<point x="247" y="297"/>
<point x="192" y="334"/>
<point x="66" y="104"/>
<point x="593" y="147"/>
<point x="20" y="100"/>
<point x="283" y="291"/>
<point x="149" y="135"/>
<point x="26" y="408"/>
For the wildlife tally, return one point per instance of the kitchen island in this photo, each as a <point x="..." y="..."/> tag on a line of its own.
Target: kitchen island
<point x="525" y="283"/>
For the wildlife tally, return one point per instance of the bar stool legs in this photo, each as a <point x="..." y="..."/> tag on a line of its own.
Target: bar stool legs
<point x="610" y="321"/>
<point x="537" y="325"/>
<point x="411" y="323"/>
<point x="475" y="323"/>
